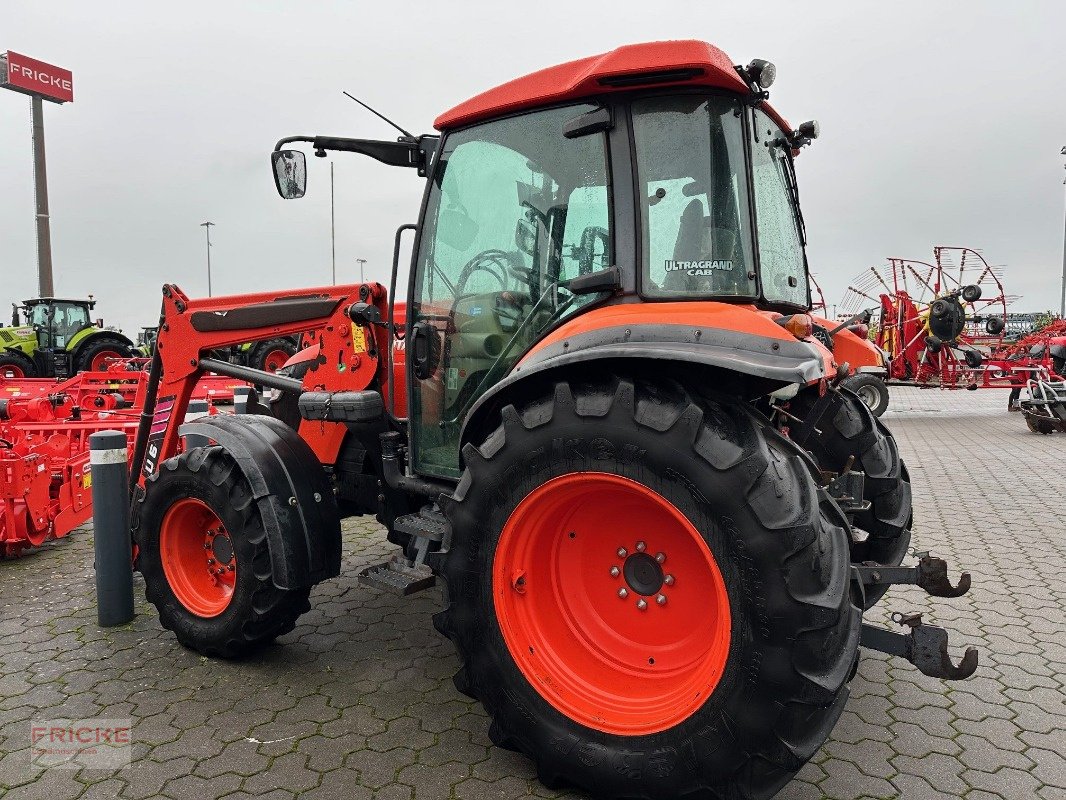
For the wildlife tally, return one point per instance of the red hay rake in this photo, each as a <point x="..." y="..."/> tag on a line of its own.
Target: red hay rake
<point x="943" y="323"/>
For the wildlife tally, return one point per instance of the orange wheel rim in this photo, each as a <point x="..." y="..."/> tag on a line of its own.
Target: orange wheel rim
<point x="275" y="360"/>
<point x="198" y="557"/>
<point x="611" y="603"/>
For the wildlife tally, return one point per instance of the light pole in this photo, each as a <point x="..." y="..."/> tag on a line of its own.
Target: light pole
<point x="207" y="228"/>
<point x="361" y="261"/>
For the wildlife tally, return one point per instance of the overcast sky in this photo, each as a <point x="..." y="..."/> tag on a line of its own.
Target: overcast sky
<point x="941" y="124"/>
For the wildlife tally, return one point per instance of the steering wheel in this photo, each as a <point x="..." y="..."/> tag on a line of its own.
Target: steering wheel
<point x="497" y="263"/>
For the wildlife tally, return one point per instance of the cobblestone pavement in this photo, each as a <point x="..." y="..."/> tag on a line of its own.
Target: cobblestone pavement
<point x="358" y="702"/>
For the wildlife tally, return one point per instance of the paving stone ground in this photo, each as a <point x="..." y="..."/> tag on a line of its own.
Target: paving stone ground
<point x="358" y="702"/>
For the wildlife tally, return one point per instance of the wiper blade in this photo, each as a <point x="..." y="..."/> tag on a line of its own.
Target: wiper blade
<point x="793" y="189"/>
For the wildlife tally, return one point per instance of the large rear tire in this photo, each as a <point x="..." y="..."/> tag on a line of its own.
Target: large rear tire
<point x="848" y="429"/>
<point x="271" y="355"/>
<point x="202" y="549"/>
<point x="94" y="355"/>
<point x="725" y="688"/>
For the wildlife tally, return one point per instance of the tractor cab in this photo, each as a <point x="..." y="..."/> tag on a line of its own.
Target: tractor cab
<point x="651" y="174"/>
<point x="57" y="321"/>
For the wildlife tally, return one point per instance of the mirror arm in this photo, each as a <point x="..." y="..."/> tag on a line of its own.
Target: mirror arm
<point x="396" y="154"/>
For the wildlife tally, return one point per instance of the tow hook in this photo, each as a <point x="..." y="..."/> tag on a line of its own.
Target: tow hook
<point x="926" y="647"/>
<point x="930" y="574"/>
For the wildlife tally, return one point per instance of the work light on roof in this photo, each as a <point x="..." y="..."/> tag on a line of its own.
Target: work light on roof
<point x="761" y="73"/>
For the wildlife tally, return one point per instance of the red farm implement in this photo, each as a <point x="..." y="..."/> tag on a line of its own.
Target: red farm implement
<point x="943" y="323"/>
<point x="45" y="489"/>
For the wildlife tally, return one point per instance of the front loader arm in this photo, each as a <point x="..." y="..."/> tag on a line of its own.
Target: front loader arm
<point x="190" y="330"/>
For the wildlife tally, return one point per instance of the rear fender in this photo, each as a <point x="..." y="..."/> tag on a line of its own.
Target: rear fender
<point x="722" y="361"/>
<point x="87" y="336"/>
<point x="291" y="490"/>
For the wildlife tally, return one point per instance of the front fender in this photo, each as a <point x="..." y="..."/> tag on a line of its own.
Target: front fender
<point x="290" y="488"/>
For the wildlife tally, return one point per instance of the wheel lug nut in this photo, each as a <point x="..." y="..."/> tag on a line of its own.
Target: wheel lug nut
<point x="642" y="604"/>
<point x="669" y="580"/>
<point x="615" y="572"/>
<point x="210" y="561"/>
<point x="641" y="547"/>
<point x="207" y="545"/>
<point x="660" y="557"/>
<point x="661" y="599"/>
<point x="623" y="593"/>
<point x="622" y="552"/>
<point x="231" y="570"/>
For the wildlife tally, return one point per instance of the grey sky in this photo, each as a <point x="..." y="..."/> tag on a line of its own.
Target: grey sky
<point x="941" y="124"/>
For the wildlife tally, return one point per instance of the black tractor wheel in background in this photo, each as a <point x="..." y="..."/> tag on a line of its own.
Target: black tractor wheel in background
<point x="271" y="355"/>
<point x="94" y="355"/>
<point x="847" y="429"/>
<point x="16" y="365"/>
<point x="202" y="549"/>
<point x="702" y="575"/>
<point x="871" y="389"/>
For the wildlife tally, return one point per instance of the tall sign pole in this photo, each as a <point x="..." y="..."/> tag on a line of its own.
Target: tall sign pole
<point x="45" y="284"/>
<point x="41" y="82"/>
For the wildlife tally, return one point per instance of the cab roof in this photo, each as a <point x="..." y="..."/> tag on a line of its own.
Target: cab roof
<point x="633" y="66"/>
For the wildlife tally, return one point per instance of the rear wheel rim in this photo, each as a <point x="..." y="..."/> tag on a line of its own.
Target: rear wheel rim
<point x="198" y="557"/>
<point x="275" y="360"/>
<point x="99" y="361"/>
<point x="12" y="371"/>
<point x="611" y="604"/>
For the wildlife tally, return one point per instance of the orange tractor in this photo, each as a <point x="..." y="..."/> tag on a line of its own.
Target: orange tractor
<point x="615" y="439"/>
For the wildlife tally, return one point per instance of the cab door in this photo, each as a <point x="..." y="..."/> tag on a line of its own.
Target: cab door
<point x="514" y="209"/>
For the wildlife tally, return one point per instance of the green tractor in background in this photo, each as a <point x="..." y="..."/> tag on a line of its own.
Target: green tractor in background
<point x="268" y="355"/>
<point x="55" y="338"/>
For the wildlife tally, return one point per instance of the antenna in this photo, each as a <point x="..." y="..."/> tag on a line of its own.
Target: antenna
<point x="408" y="134"/>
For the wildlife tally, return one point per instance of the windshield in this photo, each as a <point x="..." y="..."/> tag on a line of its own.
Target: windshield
<point x="514" y="212"/>
<point x="693" y="187"/>
<point x="781" y="259"/>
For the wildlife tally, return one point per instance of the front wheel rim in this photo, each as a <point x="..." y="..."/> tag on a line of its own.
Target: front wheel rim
<point x="869" y="396"/>
<point x="611" y="604"/>
<point x="198" y="558"/>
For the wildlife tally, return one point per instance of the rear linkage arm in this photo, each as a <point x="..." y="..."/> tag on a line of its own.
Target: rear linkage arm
<point x="931" y="574"/>
<point x="926" y="646"/>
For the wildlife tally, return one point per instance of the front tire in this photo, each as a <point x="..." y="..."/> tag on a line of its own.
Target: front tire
<point x="871" y="390"/>
<point x="847" y="430"/>
<point x="728" y="686"/>
<point x="16" y="365"/>
<point x="202" y="549"/>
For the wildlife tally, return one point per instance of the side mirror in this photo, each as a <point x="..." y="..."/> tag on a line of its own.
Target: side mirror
<point x="290" y="173"/>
